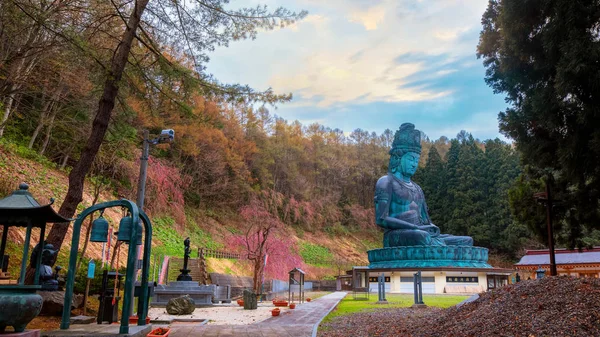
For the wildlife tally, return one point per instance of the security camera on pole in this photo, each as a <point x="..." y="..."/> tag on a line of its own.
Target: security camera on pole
<point x="166" y="136"/>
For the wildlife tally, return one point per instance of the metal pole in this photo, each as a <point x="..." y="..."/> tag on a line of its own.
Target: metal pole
<point x="416" y="294"/>
<point x="38" y="261"/>
<point x="550" y="229"/>
<point x="66" y="315"/>
<point x="144" y="295"/>
<point x="3" y="246"/>
<point x="141" y="192"/>
<point x="130" y="276"/>
<point x="420" y="288"/>
<point x="25" y="254"/>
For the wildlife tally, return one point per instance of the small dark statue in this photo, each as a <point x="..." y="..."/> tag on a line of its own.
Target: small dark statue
<point x="186" y="255"/>
<point x="48" y="279"/>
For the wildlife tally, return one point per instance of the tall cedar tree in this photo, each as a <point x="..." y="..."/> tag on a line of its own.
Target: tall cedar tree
<point x="543" y="55"/>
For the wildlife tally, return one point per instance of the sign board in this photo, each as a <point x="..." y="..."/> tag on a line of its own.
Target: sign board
<point x="91" y="269"/>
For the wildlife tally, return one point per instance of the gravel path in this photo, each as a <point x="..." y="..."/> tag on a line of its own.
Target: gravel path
<point x="553" y="306"/>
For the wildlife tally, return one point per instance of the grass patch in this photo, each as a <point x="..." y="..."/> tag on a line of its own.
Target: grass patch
<point x="348" y="305"/>
<point x="171" y="242"/>
<point x="314" y="254"/>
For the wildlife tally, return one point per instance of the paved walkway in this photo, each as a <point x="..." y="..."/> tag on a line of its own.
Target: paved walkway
<point x="300" y="322"/>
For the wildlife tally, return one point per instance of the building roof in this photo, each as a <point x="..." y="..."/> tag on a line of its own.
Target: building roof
<point x="21" y="209"/>
<point x="563" y="256"/>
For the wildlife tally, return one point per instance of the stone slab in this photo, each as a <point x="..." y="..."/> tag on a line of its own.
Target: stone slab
<point x="99" y="330"/>
<point x="419" y="306"/>
<point x="82" y="319"/>
<point x="26" y="333"/>
<point x="201" y="294"/>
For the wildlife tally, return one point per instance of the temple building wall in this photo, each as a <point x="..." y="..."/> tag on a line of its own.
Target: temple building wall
<point x="440" y="281"/>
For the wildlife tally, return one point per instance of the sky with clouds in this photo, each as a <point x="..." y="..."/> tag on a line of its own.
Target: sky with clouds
<point x="372" y="64"/>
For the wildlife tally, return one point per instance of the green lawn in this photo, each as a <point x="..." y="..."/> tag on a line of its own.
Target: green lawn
<point x="349" y="305"/>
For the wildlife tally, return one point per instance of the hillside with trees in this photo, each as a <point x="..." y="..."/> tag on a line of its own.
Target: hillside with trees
<point x="74" y="106"/>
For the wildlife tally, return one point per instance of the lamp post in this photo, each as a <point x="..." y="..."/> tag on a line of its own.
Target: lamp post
<point x="166" y="136"/>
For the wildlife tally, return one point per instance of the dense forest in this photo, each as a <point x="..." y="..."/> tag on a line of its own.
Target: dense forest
<point x="230" y="149"/>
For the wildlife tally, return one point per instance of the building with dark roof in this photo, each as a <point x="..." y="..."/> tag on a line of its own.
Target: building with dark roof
<point x="576" y="263"/>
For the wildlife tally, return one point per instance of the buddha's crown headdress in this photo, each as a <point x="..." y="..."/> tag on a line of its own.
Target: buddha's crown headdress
<point x="406" y="139"/>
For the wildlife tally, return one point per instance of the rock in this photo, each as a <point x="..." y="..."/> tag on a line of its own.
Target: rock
<point x="183" y="305"/>
<point x="82" y="319"/>
<point x="53" y="302"/>
<point x="250" y="300"/>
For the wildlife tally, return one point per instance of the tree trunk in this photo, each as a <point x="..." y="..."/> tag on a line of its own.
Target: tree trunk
<point x="64" y="162"/>
<point x="48" y="131"/>
<point x="47" y="107"/>
<point x="99" y="126"/>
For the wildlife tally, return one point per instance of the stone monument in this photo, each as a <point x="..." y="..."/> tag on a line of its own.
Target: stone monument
<point x="200" y="294"/>
<point x="48" y="279"/>
<point x="184" y="276"/>
<point x="410" y="239"/>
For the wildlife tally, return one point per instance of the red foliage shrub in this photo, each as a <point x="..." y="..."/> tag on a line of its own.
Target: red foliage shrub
<point x="164" y="190"/>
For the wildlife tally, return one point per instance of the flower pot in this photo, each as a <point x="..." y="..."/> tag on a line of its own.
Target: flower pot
<point x="308" y="299"/>
<point x="293" y="306"/>
<point x="240" y="303"/>
<point x="159" y="332"/>
<point x="275" y="312"/>
<point x="135" y="319"/>
<point x="281" y="304"/>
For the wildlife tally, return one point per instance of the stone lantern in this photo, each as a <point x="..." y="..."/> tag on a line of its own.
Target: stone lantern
<point x="540" y="273"/>
<point x="19" y="302"/>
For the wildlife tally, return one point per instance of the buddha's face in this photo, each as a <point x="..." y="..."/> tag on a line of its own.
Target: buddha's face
<point x="409" y="164"/>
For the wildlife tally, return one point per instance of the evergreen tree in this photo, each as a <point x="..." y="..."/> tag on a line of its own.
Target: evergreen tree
<point x="501" y="169"/>
<point x="544" y="56"/>
<point x="433" y="182"/>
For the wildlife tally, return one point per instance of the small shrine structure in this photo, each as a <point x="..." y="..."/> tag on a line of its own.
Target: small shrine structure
<point x="19" y="302"/>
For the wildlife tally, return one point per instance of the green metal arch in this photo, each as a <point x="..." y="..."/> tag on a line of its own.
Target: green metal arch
<point x="136" y="215"/>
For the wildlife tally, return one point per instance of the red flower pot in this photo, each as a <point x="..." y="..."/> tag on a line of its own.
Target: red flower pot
<point x="240" y="303"/>
<point x="275" y="312"/>
<point x="135" y="319"/>
<point x="159" y="332"/>
<point x="293" y="306"/>
<point x="308" y="299"/>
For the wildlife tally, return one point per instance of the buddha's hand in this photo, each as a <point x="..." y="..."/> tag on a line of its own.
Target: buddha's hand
<point x="432" y="229"/>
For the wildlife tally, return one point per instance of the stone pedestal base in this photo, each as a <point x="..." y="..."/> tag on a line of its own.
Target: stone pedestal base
<point x="429" y="257"/>
<point x="201" y="294"/>
<point x="381" y="302"/>
<point x="419" y="306"/>
<point x="184" y="276"/>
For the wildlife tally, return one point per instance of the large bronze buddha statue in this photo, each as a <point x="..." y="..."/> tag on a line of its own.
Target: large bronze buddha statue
<point x="400" y="206"/>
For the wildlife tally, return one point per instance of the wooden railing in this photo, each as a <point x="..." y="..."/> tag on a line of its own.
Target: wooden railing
<point x="219" y="254"/>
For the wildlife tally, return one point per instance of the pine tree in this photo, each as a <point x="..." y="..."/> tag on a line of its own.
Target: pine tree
<point x="433" y="183"/>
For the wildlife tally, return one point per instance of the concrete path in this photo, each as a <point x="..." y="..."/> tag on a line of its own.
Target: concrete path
<point x="300" y="322"/>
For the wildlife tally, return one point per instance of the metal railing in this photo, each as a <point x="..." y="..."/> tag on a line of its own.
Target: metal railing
<point x="205" y="252"/>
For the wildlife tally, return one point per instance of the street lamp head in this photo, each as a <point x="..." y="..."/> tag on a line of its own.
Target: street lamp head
<point x="166" y="136"/>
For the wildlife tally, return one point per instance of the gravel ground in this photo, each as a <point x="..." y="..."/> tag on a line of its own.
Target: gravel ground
<point x="222" y="314"/>
<point x="553" y="306"/>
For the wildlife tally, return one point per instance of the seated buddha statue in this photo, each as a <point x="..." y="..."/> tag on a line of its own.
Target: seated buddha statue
<point x="400" y="206"/>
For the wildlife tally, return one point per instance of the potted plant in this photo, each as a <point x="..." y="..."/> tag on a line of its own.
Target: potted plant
<point x="275" y="312"/>
<point x="292" y="305"/>
<point x="162" y="332"/>
<point x="240" y="303"/>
